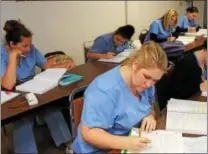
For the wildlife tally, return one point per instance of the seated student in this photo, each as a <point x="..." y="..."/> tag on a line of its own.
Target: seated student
<point x="125" y="100"/>
<point x="161" y="30"/>
<point x="107" y="45"/>
<point x="18" y="60"/>
<point x="187" y="22"/>
<point x="188" y="78"/>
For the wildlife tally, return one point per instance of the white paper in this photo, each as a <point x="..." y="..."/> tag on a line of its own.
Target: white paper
<point x="162" y="142"/>
<point x="201" y="32"/>
<point x="204" y="93"/>
<point x="186" y="39"/>
<point x="7" y="96"/>
<point x="116" y="59"/>
<point x="195" y="144"/>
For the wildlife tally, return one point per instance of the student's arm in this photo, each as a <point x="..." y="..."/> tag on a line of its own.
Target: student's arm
<point x="156" y="39"/>
<point x="98" y="117"/>
<point x="107" y="55"/>
<point x="8" y="71"/>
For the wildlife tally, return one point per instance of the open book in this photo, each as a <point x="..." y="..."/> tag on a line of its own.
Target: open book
<point x="7" y="96"/>
<point x="201" y="32"/>
<point x="119" y="57"/>
<point x="187" y="116"/>
<point x="186" y="39"/>
<point x="161" y="142"/>
<point x="43" y="82"/>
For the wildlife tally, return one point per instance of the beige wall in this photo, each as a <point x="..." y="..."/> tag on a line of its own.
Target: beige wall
<point x="65" y="25"/>
<point x="200" y="6"/>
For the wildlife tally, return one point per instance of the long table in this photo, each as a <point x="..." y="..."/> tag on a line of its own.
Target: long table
<point x="18" y="106"/>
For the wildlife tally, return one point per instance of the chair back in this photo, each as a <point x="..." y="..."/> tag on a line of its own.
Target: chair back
<point x="142" y="35"/>
<point x="76" y="102"/>
<point x="87" y="46"/>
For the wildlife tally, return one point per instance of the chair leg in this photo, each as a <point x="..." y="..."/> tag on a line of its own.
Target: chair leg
<point x="4" y="128"/>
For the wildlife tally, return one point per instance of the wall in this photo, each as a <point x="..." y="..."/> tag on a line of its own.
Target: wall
<point x="200" y="6"/>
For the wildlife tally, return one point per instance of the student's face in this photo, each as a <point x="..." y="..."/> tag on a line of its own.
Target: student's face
<point x="24" y="45"/>
<point x="145" y="78"/>
<point x="192" y="16"/>
<point x="172" y="20"/>
<point x="118" y="40"/>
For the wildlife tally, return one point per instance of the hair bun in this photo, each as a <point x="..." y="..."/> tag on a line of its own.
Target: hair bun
<point x="10" y="25"/>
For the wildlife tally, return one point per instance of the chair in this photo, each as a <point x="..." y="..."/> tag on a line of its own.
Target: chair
<point x="142" y="35"/>
<point x="76" y="102"/>
<point x="87" y="46"/>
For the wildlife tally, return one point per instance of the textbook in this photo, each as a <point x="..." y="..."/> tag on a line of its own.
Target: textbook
<point x="162" y="141"/>
<point x="43" y="82"/>
<point x="201" y="32"/>
<point x="187" y="116"/>
<point x="70" y="78"/>
<point x="7" y="96"/>
<point x="186" y="39"/>
<point x="119" y="57"/>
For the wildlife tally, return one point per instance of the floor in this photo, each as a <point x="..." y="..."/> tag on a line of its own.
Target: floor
<point x="43" y="140"/>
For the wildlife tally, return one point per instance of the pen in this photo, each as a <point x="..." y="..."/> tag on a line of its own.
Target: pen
<point x="22" y="55"/>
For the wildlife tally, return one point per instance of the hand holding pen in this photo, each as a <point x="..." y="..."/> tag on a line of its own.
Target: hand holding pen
<point x="171" y="38"/>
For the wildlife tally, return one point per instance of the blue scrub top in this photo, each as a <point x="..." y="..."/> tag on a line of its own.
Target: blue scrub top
<point x="185" y="23"/>
<point x="109" y="104"/>
<point x="104" y="44"/>
<point x="26" y="66"/>
<point x="157" y="28"/>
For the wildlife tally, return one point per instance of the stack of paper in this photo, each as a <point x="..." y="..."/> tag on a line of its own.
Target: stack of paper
<point x="186" y="39"/>
<point x="187" y="116"/>
<point x="201" y="32"/>
<point x="43" y="82"/>
<point x="119" y="57"/>
<point x="161" y="142"/>
<point x="6" y="96"/>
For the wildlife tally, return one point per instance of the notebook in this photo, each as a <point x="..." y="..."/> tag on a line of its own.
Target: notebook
<point x="201" y="32"/>
<point x="70" y="78"/>
<point x="43" y="82"/>
<point x="119" y="57"/>
<point x="186" y="39"/>
<point x="7" y="96"/>
<point x="161" y="142"/>
<point x="187" y="116"/>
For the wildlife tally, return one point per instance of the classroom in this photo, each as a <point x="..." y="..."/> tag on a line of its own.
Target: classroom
<point x="145" y="62"/>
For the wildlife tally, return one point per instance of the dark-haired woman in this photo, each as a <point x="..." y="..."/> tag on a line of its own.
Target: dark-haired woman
<point x="18" y="60"/>
<point x="187" y="23"/>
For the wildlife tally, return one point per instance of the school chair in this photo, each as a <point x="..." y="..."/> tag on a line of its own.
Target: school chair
<point x="76" y="102"/>
<point x="87" y="46"/>
<point x="142" y="35"/>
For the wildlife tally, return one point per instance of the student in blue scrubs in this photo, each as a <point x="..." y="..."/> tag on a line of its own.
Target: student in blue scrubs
<point x="120" y="99"/>
<point x="162" y="29"/>
<point x="107" y="45"/>
<point x="18" y="60"/>
<point x="187" y="23"/>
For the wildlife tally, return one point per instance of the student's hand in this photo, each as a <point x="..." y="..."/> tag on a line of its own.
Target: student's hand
<point x="136" y="144"/>
<point x="109" y="55"/>
<point x="171" y="38"/>
<point x="71" y="65"/>
<point x="148" y="123"/>
<point x="203" y="86"/>
<point x="192" y="30"/>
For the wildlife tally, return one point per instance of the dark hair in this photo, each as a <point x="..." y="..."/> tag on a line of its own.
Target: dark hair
<point x="15" y="30"/>
<point x="126" y="31"/>
<point x="192" y="9"/>
<point x="54" y="53"/>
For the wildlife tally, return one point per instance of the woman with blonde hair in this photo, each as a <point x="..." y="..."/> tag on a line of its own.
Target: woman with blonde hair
<point x="161" y="29"/>
<point x="124" y="101"/>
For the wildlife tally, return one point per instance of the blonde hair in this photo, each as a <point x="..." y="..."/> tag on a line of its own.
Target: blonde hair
<point x="167" y="17"/>
<point x="150" y="55"/>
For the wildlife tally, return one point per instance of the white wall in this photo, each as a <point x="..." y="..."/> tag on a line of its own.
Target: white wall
<point x="65" y="25"/>
<point x="142" y="13"/>
<point x="200" y="6"/>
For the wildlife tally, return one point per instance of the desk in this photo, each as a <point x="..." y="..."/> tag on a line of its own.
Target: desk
<point x="200" y="40"/>
<point x="18" y="106"/>
<point x="161" y="122"/>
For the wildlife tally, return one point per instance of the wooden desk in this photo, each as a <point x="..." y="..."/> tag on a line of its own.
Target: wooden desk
<point x="200" y="40"/>
<point x="18" y="106"/>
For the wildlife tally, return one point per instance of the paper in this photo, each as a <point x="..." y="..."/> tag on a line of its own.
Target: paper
<point x="43" y="82"/>
<point x="162" y="142"/>
<point x="187" y="116"/>
<point x="186" y="39"/>
<point x="204" y="93"/>
<point x="201" y="32"/>
<point x="6" y="96"/>
<point x="195" y="144"/>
